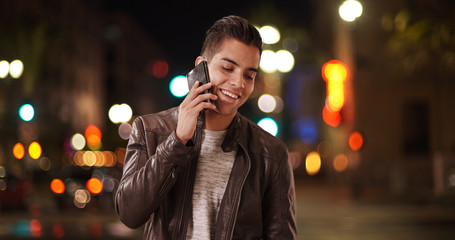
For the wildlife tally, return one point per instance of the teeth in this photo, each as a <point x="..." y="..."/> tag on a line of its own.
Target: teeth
<point x="229" y="94"/>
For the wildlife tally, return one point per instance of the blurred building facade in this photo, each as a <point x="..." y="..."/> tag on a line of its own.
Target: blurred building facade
<point x="398" y="96"/>
<point x="79" y="59"/>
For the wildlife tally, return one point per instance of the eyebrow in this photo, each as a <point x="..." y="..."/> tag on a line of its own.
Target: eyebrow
<point x="236" y="64"/>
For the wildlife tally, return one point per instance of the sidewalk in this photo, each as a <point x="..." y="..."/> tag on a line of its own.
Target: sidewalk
<point x="330" y="213"/>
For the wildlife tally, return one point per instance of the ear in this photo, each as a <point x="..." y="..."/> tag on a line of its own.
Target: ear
<point x="199" y="60"/>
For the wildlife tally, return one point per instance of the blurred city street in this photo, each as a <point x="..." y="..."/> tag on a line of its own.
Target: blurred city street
<point x="360" y="91"/>
<point x="324" y="213"/>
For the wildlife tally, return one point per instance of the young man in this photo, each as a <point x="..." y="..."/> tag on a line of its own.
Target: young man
<point x="213" y="174"/>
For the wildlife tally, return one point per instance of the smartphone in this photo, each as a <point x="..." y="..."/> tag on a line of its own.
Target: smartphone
<point x="199" y="73"/>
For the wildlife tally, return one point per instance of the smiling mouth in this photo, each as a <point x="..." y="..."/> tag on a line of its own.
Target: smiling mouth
<point x="229" y="94"/>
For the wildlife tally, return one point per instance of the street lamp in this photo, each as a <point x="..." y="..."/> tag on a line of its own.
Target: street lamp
<point x="350" y="10"/>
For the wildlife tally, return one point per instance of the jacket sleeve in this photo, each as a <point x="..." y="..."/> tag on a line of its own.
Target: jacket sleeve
<point x="147" y="179"/>
<point x="279" y="206"/>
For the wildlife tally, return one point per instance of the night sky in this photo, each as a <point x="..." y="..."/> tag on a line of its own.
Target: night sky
<point x="179" y="26"/>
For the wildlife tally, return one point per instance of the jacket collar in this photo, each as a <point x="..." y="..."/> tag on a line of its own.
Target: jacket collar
<point x="236" y="134"/>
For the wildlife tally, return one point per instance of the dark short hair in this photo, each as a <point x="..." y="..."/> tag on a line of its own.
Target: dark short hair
<point x="230" y="27"/>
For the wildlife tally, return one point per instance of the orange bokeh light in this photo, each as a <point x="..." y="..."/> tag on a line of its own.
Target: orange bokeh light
<point x="340" y="163"/>
<point x="355" y="141"/>
<point x="18" y="151"/>
<point x="34" y="150"/>
<point x="331" y="118"/>
<point x="36" y="228"/>
<point x="93" y="136"/>
<point x="94" y="185"/>
<point x="335" y="70"/>
<point x="335" y="73"/>
<point x="57" y="186"/>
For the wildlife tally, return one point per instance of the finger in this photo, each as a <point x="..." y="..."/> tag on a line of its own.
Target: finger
<point x="190" y="96"/>
<point x="202" y="98"/>
<point x="199" y="89"/>
<point x="204" y="105"/>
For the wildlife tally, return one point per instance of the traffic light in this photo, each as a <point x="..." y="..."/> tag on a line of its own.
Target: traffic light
<point x="335" y="73"/>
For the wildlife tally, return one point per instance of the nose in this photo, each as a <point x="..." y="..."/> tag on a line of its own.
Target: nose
<point x="237" y="81"/>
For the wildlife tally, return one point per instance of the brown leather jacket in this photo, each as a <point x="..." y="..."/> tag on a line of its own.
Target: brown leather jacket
<point x="159" y="172"/>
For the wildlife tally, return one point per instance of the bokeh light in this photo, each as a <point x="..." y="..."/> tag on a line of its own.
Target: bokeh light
<point x="296" y="159"/>
<point x="45" y="163"/>
<point x="2" y="172"/>
<point x="93" y="137"/>
<point x="335" y="73"/>
<point x="179" y="86"/>
<point x="124" y="131"/>
<point x="279" y="104"/>
<point x="81" y="198"/>
<point x="330" y="117"/>
<point x="58" y="231"/>
<point x="78" y="141"/>
<point x="269" y="34"/>
<point x="158" y="68"/>
<point x="109" y="183"/>
<point x="284" y="61"/>
<point x="313" y="163"/>
<point x="4" y="69"/>
<point x="94" y="158"/>
<point x="269" y="125"/>
<point x="94" y="185"/>
<point x="18" y="151"/>
<point x="355" y="141"/>
<point x="89" y="158"/>
<point x="2" y="185"/>
<point x="34" y="150"/>
<point x="267" y="63"/>
<point x="306" y="128"/>
<point x="16" y="68"/>
<point x="27" y="112"/>
<point x="291" y="45"/>
<point x="350" y="10"/>
<point x="340" y="163"/>
<point x="120" y="113"/>
<point x="57" y="186"/>
<point x="36" y="228"/>
<point x="267" y="103"/>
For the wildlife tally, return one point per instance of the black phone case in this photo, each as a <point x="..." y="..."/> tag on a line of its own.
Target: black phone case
<point x="199" y="73"/>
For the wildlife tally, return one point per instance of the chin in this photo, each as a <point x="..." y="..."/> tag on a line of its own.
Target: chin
<point x="224" y="111"/>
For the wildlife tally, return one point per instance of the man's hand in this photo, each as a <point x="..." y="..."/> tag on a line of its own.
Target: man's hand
<point x="190" y="108"/>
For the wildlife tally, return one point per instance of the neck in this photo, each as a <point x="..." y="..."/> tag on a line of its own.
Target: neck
<point x="217" y="122"/>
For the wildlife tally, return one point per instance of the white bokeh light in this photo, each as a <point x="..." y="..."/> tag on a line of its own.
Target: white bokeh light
<point x="27" y="112"/>
<point x="350" y="10"/>
<point x="267" y="103"/>
<point x="179" y="86"/>
<point x="16" y="69"/>
<point x="267" y="63"/>
<point x="78" y="141"/>
<point x="4" y="69"/>
<point x="120" y="113"/>
<point x="269" y="125"/>
<point x="284" y="61"/>
<point x="124" y="131"/>
<point x="269" y="34"/>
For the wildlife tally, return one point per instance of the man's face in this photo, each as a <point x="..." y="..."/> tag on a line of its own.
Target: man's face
<point x="233" y="69"/>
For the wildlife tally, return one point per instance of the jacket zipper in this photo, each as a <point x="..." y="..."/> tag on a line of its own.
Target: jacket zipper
<point x="240" y="193"/>
<point x="189" y="186"/>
